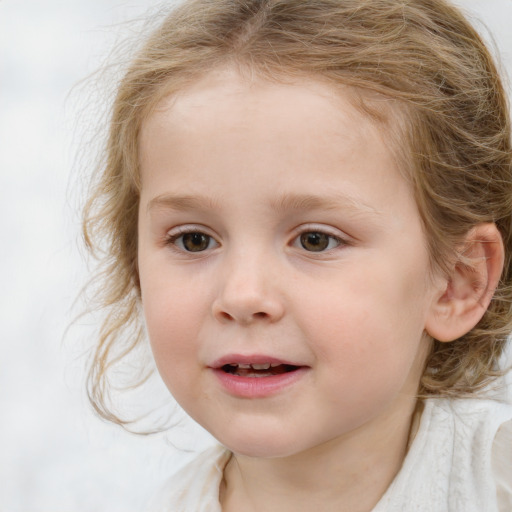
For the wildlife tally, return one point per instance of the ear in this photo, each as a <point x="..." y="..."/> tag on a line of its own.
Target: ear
<point x="469" y="288"/>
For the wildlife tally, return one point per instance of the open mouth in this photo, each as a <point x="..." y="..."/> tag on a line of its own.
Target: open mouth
<point x="258" y="370"/>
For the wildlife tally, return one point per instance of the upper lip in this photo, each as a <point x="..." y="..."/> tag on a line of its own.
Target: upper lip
<point x="250" y="359"/>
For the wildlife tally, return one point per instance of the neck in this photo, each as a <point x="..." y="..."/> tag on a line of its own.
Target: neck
<point x="349" y="473"/>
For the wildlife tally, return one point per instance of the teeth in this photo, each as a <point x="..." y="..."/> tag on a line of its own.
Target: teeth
<point x="260" y="367"/>
<point x="264" y="366"/>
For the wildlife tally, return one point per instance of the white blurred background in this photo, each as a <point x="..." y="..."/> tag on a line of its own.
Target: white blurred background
<point x="55" y="455"/>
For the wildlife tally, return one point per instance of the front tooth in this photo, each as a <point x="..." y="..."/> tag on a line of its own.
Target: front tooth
<point x="264" y="366"/>
<point x="244" y="366"/>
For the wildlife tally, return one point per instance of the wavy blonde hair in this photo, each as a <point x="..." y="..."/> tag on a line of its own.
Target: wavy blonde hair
<point x="444" y="102"/>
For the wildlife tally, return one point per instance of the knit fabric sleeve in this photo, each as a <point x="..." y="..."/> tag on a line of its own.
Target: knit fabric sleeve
<point x="502" y="466"/>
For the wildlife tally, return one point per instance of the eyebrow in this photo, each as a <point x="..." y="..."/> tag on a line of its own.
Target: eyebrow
<point x="285" y="203"/>
<point x="291" y="202"/>
<point x="182" y="203"/>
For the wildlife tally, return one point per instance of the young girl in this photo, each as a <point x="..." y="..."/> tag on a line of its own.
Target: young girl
<point x="310" y="204"/>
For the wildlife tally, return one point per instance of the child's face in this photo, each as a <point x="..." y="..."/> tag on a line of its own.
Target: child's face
<point x="274" y="227"/>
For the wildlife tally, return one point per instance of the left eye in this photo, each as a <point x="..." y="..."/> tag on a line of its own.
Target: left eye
<point x="316" y="241"/>
<point x="194" y="241"/>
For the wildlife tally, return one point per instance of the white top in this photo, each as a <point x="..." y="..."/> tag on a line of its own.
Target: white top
<point x="459" y="461"/>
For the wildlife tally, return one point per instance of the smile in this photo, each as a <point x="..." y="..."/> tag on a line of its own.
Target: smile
<point x="258" y="370"/>
<point x="257" y="376"/>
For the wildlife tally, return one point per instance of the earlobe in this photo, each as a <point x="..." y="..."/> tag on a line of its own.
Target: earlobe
<point x="469" y="288"/>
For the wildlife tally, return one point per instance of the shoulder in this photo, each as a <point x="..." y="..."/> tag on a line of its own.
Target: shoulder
<point x="468" y="419"/>
<point x="482" y="448"/>
<point x="195" y="487"/>
<point x="471" y="424"/>
<point x="450" y="464"/>
<point x="476" y="408"/>
<point x="502" y="465"/>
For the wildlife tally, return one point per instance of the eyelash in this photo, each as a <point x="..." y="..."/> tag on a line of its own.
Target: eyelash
<point x="172" y="239"/>
<point x="298" y="241"/>
<point x="319" y="237"/>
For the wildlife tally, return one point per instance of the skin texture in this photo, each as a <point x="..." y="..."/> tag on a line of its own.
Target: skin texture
<point x="254" y="165"/>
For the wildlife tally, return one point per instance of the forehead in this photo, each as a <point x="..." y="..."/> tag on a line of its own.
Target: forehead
<point x="235" y="104"/>
<point x="285" y="137"/>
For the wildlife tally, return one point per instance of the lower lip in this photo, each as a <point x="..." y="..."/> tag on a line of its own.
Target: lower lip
<point x="258" y="387"/>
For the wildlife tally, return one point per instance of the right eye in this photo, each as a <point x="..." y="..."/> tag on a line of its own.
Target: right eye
<point x="192" y="241"/>
<point x="316" y="241"/>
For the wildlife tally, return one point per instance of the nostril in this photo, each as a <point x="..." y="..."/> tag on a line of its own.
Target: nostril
<point x="225" y="316"/>
<point x="246" y="309"/>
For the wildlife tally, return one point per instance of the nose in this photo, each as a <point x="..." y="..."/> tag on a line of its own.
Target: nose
<point x="248" y="292"/>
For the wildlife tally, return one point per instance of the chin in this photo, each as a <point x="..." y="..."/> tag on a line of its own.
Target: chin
<point x="258" y="445"/>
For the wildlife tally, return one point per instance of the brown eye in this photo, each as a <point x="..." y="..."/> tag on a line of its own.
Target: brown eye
<point x="195" y="242"/>
<point x="314" y="241"/>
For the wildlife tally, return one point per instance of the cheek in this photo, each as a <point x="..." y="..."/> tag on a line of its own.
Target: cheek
<point x="172" y="320"/>
<point x="369" y="328"/>
<point x="171" y="303"/>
